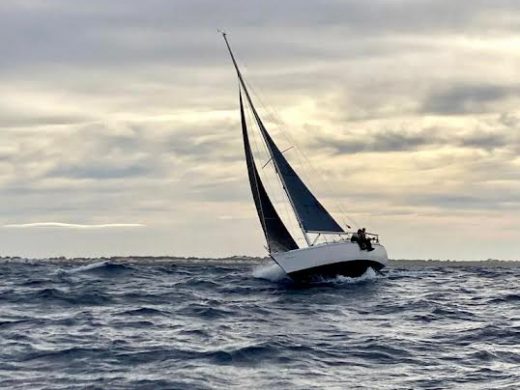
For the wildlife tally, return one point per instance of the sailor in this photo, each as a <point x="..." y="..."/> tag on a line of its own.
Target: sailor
<point x="358" y="237"/>
<point x="366" y="241"/>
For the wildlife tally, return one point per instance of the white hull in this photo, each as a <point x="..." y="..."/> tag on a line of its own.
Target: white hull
<point x="338" y="258"/>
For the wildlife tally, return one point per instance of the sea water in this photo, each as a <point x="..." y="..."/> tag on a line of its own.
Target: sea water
<point x="241" y="324"/>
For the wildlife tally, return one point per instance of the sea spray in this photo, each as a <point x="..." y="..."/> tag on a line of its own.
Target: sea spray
<point x="369" y="274"/>
<point x="269" y="271"/>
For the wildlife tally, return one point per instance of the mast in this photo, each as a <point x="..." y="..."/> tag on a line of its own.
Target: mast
<point x="266" y="136"/>
<point x="276" y="234"/>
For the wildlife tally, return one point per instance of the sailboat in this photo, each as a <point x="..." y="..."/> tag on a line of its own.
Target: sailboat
<point x="341" y="256"/>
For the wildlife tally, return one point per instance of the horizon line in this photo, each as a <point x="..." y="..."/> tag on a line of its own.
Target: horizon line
<point x="72" y="225"/>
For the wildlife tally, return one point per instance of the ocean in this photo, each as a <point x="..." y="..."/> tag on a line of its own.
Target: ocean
<point x="144" y="323"/>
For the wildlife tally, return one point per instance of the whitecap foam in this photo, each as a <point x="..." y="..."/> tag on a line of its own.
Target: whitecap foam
<point x="274" y="273"/>
<point x="269" y="271"/>
<point x="87" y="267"/>
<point x="369" y="274"/>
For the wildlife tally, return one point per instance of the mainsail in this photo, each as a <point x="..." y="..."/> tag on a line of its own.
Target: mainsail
<point x="310" y="213"/>
<point x="278" y="237"/>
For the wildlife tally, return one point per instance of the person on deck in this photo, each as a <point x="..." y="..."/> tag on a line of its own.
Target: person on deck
<point x="358" y="237"/>
<point x="366" y="241"/>
<point x="355" y="237"/>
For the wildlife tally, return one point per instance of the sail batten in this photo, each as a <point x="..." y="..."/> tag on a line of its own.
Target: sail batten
<point x="276" y="234"/>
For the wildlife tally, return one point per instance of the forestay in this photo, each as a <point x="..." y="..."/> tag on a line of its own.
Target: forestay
<point x="310" y="213"/>
<point x="278" y="237"/>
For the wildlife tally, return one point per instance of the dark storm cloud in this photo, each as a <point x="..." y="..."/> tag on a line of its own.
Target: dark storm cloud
<point x="468" y="99"/>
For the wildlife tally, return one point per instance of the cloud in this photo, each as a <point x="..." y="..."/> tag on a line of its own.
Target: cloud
<point x="100" y="172"/>
<point x="478" y="203"/>
<point x="126" y="109"/>
<point x="468" y="99"/>
<point x="381" y="141"/>
<point x="62" y="225"/>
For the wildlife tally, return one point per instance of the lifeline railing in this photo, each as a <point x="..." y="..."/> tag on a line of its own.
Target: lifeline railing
<point x="347" y="236"/>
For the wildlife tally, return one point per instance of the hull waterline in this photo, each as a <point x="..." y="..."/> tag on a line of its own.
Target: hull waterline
<point x="329" y="260"/>
<point x="352" y="268"/>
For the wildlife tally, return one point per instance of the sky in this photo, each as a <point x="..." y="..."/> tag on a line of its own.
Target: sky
<point x="120" y="130"/>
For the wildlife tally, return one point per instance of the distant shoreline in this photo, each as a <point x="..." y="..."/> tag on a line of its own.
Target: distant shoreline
<point x="243" y="259"/>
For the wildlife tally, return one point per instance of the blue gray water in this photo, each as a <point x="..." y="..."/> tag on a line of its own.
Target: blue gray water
<point x="174" y="324"/>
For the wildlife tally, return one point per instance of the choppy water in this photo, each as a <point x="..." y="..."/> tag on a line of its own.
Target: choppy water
<point x="216" y="325"/>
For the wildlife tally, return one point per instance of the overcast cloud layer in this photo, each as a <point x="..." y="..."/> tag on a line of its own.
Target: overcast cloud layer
<point x="123" y="114"/>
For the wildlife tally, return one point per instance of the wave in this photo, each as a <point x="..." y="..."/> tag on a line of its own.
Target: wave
<point x="87" y="267"/>
<point x="72" y="298"/>
<point x="369" y="274"/>
<point x="120" y="324"/>
<point x="159" y="260"/>
<point x="65" y="354"/>
<point x="247" y="355"/>
<point x="143" y="311"/>
<point x="513" y="298"/>
<point x="104" y="266"/>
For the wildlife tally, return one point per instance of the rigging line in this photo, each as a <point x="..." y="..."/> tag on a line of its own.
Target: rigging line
<point x="256" y="141"/>
<point x="287" y="136"/>
<point x="267" y="179"/>
<point x="303" y="233"/>
<point x="276" y="120"/>
<point x="279" y="125"/>
<point x="282" y="198"/>
<point x="255" y="136"/>
<point x="264" y="145"/>
<point x="275" y="117"/>
<point x="283" y="151"/>
<point x="279" y="195"/>
<point x="328" y="188"/>
<point x="262" y="219"/>
<point x="257" y="118"/>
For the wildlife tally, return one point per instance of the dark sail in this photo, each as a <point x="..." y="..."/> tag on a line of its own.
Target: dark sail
<point x="278" y="237"/>
<point x="312" y="215"/>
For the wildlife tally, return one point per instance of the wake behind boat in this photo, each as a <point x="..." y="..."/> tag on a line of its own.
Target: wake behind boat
<point x="348" y="254"/>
